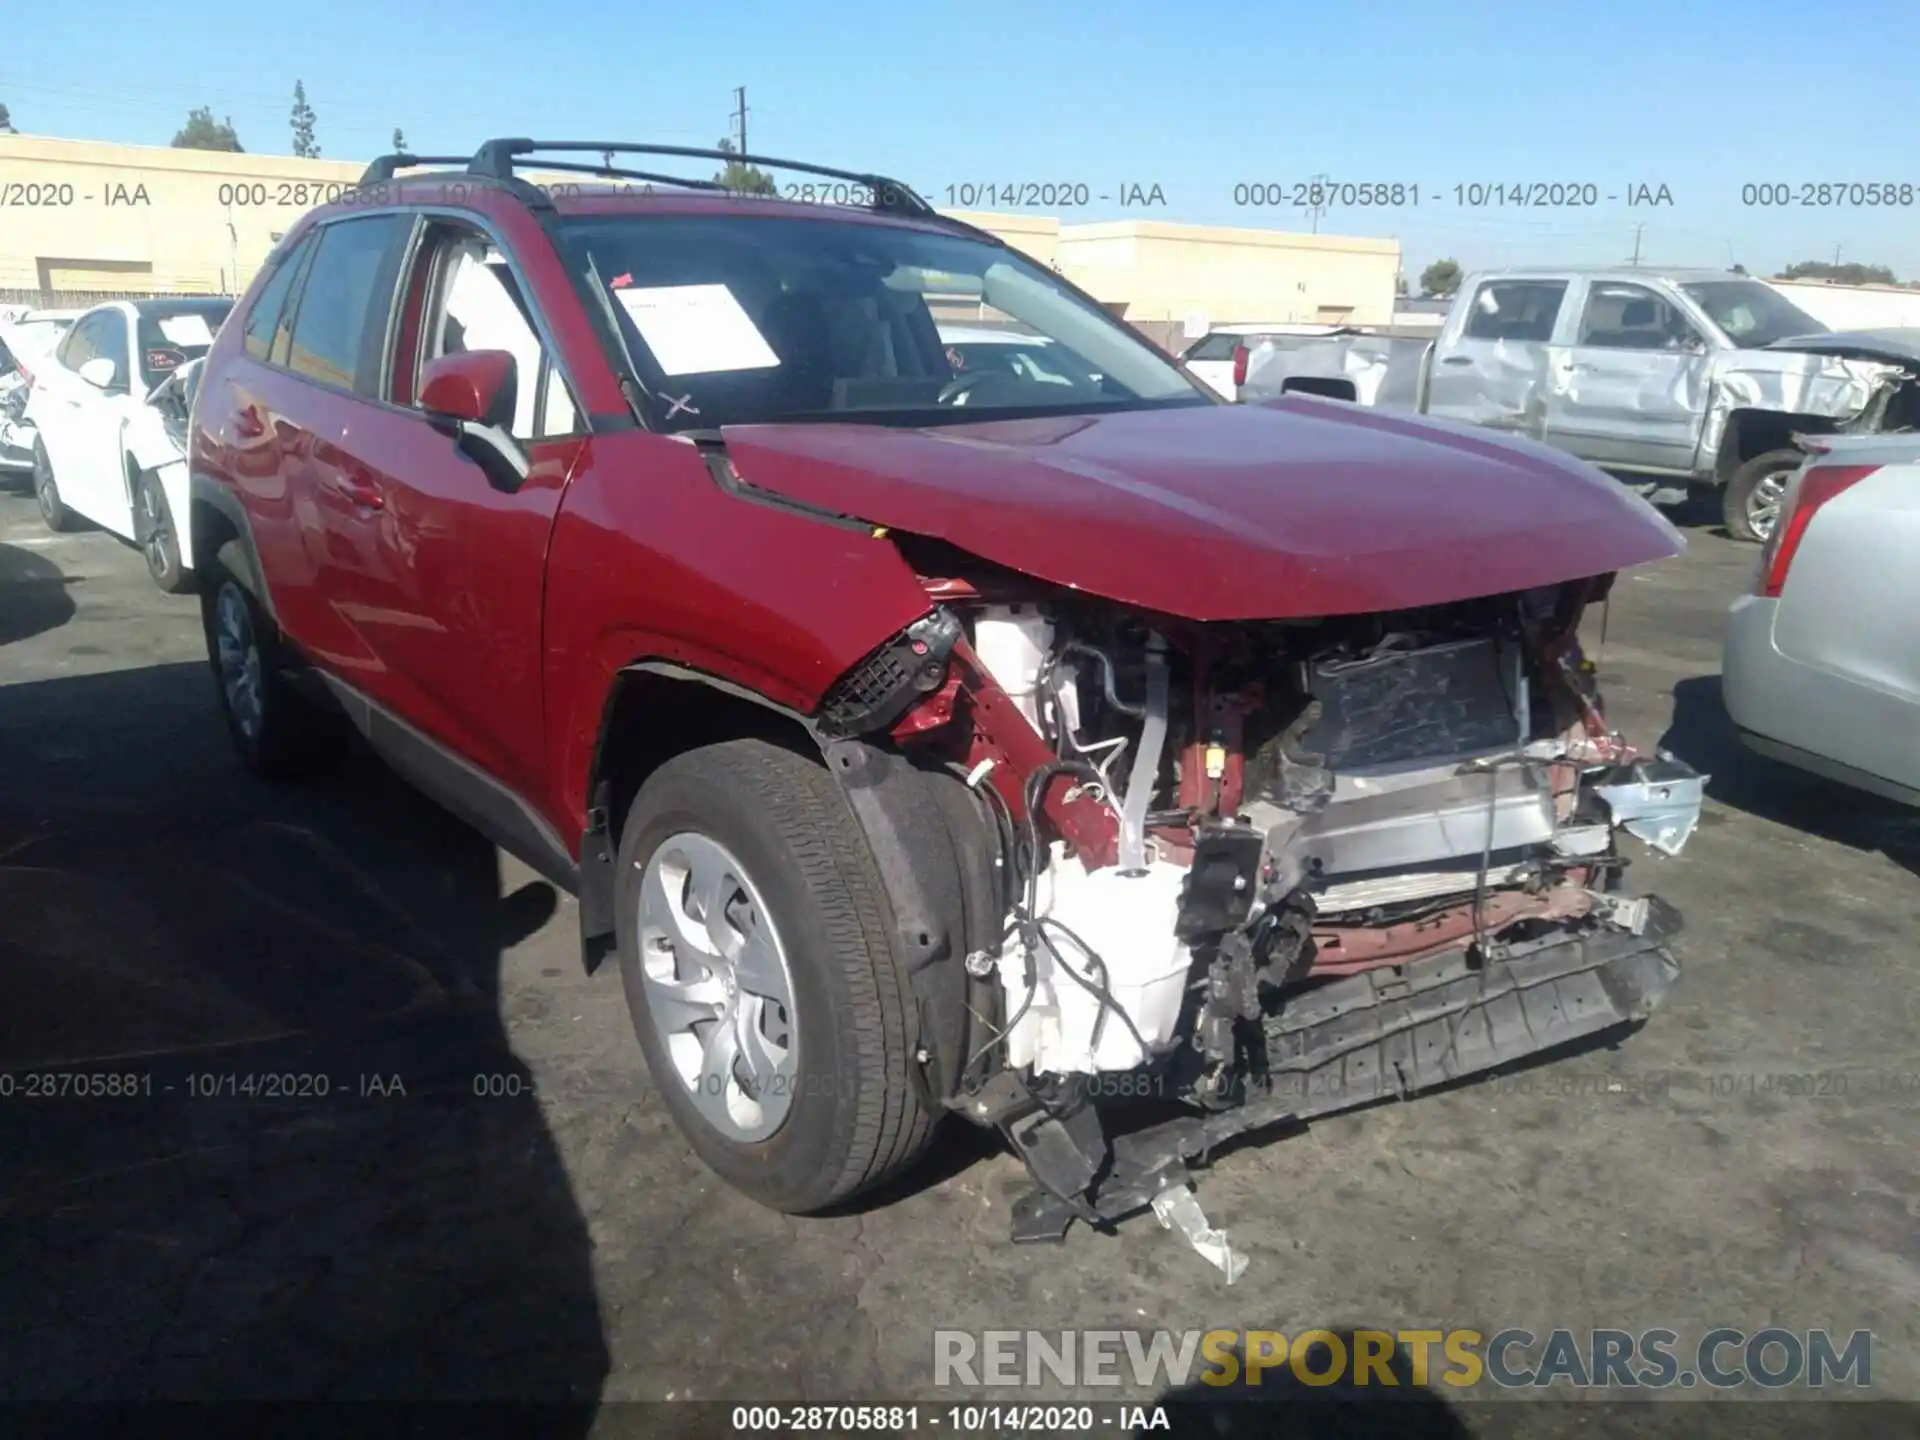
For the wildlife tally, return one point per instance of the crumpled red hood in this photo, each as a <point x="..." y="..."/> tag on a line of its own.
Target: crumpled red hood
<point x="1296" y="508"/>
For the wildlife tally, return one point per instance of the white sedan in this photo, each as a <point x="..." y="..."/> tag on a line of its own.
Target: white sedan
<point x="102" y="450"/>
<point x="26" y="335"/>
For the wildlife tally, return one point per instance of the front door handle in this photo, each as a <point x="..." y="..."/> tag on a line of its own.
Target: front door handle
<point x="358" y="490"/>
<point x="248" y="425"/>
<point x="1456" y="359"/>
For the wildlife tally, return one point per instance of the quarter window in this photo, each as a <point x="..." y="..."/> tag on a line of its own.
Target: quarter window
<point x="265" y="314"/>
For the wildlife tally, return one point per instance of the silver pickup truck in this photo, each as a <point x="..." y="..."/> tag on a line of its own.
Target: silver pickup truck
<point x="1699" y="378"/>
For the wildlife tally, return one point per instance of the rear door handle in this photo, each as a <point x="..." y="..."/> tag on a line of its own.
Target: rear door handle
<point x="1456" y="359"/>
<point x="362" y="492"/>
<point x="248" y="424"/>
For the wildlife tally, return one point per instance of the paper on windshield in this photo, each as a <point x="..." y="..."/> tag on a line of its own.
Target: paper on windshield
<point x="696" y="329"/>
<point x="186" y="330"/>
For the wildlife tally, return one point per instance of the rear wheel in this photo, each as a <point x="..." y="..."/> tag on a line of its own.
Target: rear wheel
<point x="159" y="540"/>
<point x="773" y="1012"/>
<point x="47" y="491"/>
<point x="278" y="731"/>
<point x="1751" y="506"/>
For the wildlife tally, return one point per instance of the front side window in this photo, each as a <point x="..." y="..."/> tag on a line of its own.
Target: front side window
<point x="1620" y="316"/>
<point x="340" y="325"/>
<point x="77" y="348"/>
<point x="733" y="319"/>
<point x="99" y="336"/>
<point x="477" y="305"/>
<point x="1751" y="314"/>
<point x="1523" y="310"/>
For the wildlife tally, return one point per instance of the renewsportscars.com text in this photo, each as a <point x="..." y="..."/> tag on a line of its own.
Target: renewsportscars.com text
<point x="1770" y="1358"/>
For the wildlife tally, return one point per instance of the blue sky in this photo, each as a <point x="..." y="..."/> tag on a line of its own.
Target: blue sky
<point x="1701" y="98"/>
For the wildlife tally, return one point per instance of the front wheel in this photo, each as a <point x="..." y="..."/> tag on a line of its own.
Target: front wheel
<point x="777" y="1020"/>
<point x="1751" y="506"/>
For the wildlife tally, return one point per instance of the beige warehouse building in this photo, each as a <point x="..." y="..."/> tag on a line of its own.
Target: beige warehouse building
<point x="81" y="220"/>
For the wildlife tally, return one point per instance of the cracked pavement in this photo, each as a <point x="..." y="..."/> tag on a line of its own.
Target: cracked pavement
<point x="489" y="1202"/>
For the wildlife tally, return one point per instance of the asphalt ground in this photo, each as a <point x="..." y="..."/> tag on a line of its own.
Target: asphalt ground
<point x="489" y="1201"/>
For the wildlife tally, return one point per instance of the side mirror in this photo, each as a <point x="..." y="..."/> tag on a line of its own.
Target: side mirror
<point x="471" y="396"/>
<point x="474" y="386"/>
<point x="98" y="372"/>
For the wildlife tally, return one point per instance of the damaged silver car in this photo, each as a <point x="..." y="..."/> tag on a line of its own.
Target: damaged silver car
<point x="1698" y="378"/>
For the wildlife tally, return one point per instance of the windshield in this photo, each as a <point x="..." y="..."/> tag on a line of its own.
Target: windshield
<point x="736" y="319"/>
<point x="1752" y="314"/>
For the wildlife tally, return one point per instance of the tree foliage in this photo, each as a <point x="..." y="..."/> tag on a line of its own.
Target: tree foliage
<point x="744" y="179"/>
<point x="6" y="121"/>
<point x="399" y="142"/>
<point x="1851" y="273"/>
<point x="302" y="120"/>
<point x="1440" y="279"/>
<point x="203" y="132"/>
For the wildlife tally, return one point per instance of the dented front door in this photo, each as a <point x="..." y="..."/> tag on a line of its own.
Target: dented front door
<point x="1630" y="392"/>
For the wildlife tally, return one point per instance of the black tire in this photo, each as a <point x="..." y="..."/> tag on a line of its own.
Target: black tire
<point x="1738" y="507"/>
<point x="856" y="1116"/>
<point x="157" y="535"/>
<point x="46" y="490"/>
<point x="290" y="735"/>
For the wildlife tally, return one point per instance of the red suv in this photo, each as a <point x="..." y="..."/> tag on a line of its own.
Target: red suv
<point x="1024" y="742"/>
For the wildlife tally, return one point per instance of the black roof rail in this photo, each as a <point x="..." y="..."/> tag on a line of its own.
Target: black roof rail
<point x="496" y="158"/>
<point x="381" y="170"/>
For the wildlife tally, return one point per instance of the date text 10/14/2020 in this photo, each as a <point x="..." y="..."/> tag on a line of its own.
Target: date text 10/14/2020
<point x="1108" y="1419"/>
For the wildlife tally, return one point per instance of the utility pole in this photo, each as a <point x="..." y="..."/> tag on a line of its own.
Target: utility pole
<point x="1317" y="204"/>
<point x="1836" y="255"/>
<point x="740" y="115"/>
<point x="1635" y="261"/>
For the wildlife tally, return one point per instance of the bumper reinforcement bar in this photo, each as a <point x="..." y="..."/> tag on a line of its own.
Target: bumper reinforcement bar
<point x="1384" y="1034"/>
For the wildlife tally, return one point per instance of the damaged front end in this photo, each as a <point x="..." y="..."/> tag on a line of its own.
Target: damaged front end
<point x="1254" y="872"/>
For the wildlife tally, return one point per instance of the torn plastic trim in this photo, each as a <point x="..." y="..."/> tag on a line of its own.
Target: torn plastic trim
<point x="1656" y="800"/>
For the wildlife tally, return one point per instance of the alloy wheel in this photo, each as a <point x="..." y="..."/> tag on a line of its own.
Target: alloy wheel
<point x="719" y="991"/>
<point x="239" y="659"/>
<point x="45" y="491"/>
<point x="1764" y="501"/>
<point x="159" y="534"/>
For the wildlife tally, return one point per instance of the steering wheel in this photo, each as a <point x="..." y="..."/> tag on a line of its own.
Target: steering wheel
<point x="956" y="390"/>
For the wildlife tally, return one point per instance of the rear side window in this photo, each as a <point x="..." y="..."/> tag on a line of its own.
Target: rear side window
<point x="1523" y="310"/>
<point x="1215" y="347"/>
<point x="340" y="327"/>
<point x="166" y="341"/>
<point x="265" y="314"/>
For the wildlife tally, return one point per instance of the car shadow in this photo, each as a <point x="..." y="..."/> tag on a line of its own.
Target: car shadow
<point x="33" y="595"/>
<point x="266" y="1138"/>
<point x="1385" y="1401"/>
<point x="1702" y="734"/>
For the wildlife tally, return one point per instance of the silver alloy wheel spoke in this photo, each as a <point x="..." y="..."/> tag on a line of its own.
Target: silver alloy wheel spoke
<point x="680" y="1004"/>
<point x="717" y="986"/>
<point x="759" y="968"/>
<point x="1763" y="505"/>
<point x="716" y="1091"/>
